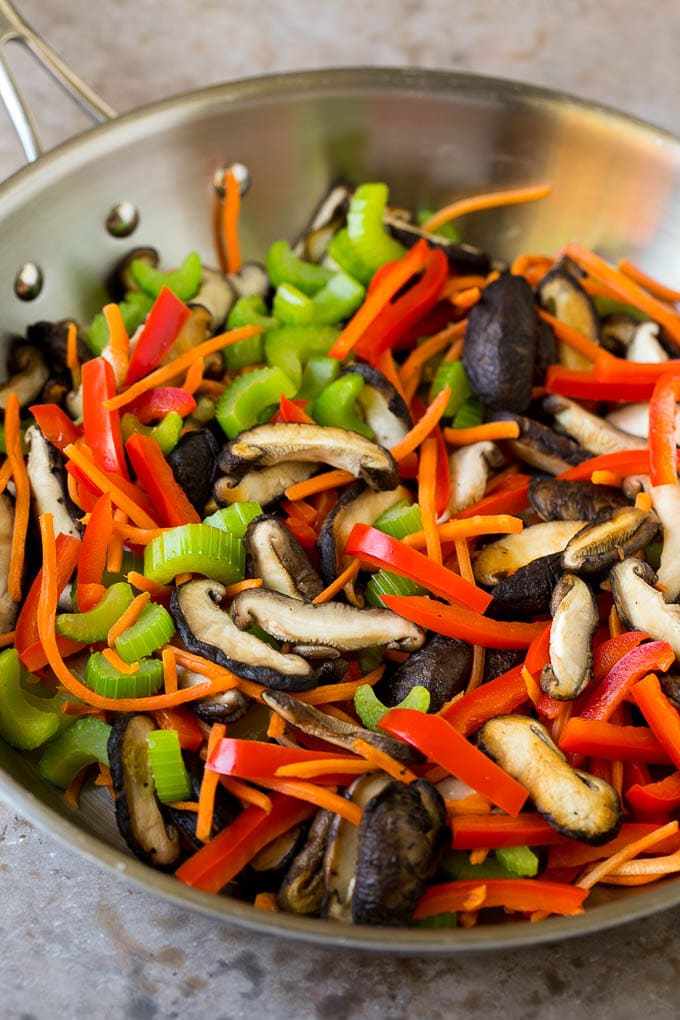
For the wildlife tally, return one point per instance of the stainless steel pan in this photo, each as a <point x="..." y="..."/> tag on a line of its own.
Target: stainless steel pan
<point x="433" y="136"/>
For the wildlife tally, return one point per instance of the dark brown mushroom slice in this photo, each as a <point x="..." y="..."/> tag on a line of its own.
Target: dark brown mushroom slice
<point x="335" y="731"/>
<point x="603" y="542"/>
<point x="500" y="344"/>
<point x="28" y="374"/>
<point x="554" y="499"/>
<point x="194" y="462"/>
<point x="383" y="407"/>
<point x="278" y="855"/>
<point x="275" y="555"/>
<point x="528" y="591"/>
<point x="209" y="631"/>
<point x="328" y="217"/>
<point x="575" y="617"/>
<point x="442" y="666"/>
<point x="216" y="294"/>
<point x="499" y="660"/>
<point x="251" y="280"/>
<point x="302" y="889"/>
<point x="546" y="351"/>
<point x="641" y="606"/>
<point x="50" y="338"/>
<point x="332" y="624"/>
<point x="120" y="280"/>
<point x="561" y="294"/>
<point x="225" y="707"/>
<point x="540" y="446"/>
<point x="47" y="475"/>
<point x="266" y="445"/>
<point x="593" y="433"/>
<point x="263" y="486"/>
<point x="139" y="814"/>
<point x="617" y="331"/>
<point x="9" y="609"/>
<point x="359" y="504"/>
<point x="670" y="685"/>
<point x="396" y="850"/>
<point x="225" y="808"/>
<point x="575" y="803"/>
<point x="507" y="554"/>
<point x="463" y="258"/>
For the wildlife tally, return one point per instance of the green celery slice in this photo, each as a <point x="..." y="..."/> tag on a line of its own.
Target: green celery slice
<point x="234" y="518"/>
<point x="521" y="861"/>
<point x="184" y="281"/>
<point x="317" y="374"/>
<point x="469" y="415"/>
<point x="166" y="433"/>
<point x="83" y="744"/>
<point x="95" y="624"/>
<point x="400" y="520"/>
<point x="240" y="405"/>
<point x="134" y="309"/>
<point x="23" y="724"/>
<point x="451" y="373"/>
<point x="105" y="679"/>
<point x="151" y="630"/>
<point x="290" y="347"/>
<point x="284" y="266"/>
<point x="170" y="776"/>
<point x="384" y="582"/>
<point x="336" y="406"/>
<point x="370" y="708"/>
<point x="366" y="229"/>
<point x="195" y="549"/>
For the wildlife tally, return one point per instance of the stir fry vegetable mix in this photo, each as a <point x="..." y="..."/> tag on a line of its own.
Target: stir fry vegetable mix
<point x="358" y="571"/>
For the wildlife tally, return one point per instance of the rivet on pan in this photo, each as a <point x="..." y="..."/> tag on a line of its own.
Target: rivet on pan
<point x="122" y="219"/>
<point x="241" y="173"/>
<point x="28" y="282"/>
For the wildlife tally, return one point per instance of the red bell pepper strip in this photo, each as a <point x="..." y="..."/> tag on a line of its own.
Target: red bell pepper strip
<point x="573" y="852"/>
<point x="491" y="832"/>
<point x="379" y="550"/>
<point x="623" y="462"/>
<point x="55" y="425"/>
<point x="155" y="475"/>
<point x="616" y="370"/>
<point x="159" y="333"/>
<point x="156" y="403"/>
<point x="608" y="740"/>
<point x="26" y="639"/>
<point x="584" y="386"/>
<point x="606" y="655"/>
<point x="248" y="758"/>
<point x="500" y="696"/>
<point x="225" y="856"/>
<point x="662" y="415"/>
<point x="442" y="744"/>
<point x="182" y="720"/>
<point x="102" y="427"/>
<point x="509" y="500"/>
<point x="608" y="695"/>
<point x="635" y="773"/>
<point x="538" y="652"/>
<point x="293" y="410"/>
<point x="521" y="894"/>
<point x="653" y="798"/>
<point x="466" y="624"/>
<point x="93" y="554"/>
<point x="663" y="718"/>
<point x="306" y="536"/>
<point x="397" y="317"/>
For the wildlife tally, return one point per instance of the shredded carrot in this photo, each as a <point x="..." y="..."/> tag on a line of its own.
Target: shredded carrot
<point x="104" y="778"/>
<point x="327" y="480"/>
<point x="231" y="210"/>
<point x="266" y="901"/>
<point x="477" y="671"/>
<point x="144" y="584"/>
<point x="106" y="485"/>
<point x="465" y="299"/>
<point x="596" y="874"/>
<point x="185" y="805"/>
<point x="72" y="360"/>
<point x="457" y="283"/>
<point x="22" y="499"/>
<point x="342" y="691"/>
<point x="7" y="639"/>
<point x="615" y="625"/>
<point x="474" y="804"/>
<point x="386" y="365"/>
<point x="337" y="713"/>
<point x="656" y="289"/>
<point x="324" y="767"/>
<point x="212" y="387"/>
<point x="114" y="659"/>
<point x="114" y="555"/>
<point x="533" y="690"/>
<point x="206" y="797"/>
<point x="178" y="365"/>
<point x="276" y="725"/>
<point x="490" y="430"/>
<point x="491" y="200"/>
<point x="6" y="474"/>
<point x="348" y="574"/>
<point x="409" y="373"/>
<point x="423" y="427"/>
<point x="464" y="563"/>
<point x="649" y="866"/>
<point x="469" y="527"/>
<point x="130" y="616"/>
<point x="194" y="376"/>
<point x="169" y="670"/>
<point x="427" y="481"/>
<point x="72" y="791"/>
<point x="119" y="342"/>
<point x="382" y="760"/>
<point x="561" y="720"/>
<point x="181" y="579"/>
<point x="606" y="478"/>
<point x="479" y="856"/>
<point x="643" y="501"/>
<point x="525" y="262"/>
<point x="250" y="582"/>
<point x="301" y="509"/>
<point x="245" y="793"/>
<point x="572" y="338"/>
<point x="455" y="351"/>
<point x="321" y="796"/>
<point x="633" y="879"/>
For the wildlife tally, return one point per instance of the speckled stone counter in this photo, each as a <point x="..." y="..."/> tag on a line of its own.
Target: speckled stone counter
<point x="75" y="942"/>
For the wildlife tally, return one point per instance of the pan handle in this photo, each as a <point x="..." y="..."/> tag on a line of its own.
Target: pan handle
<point x="13" y="28"/>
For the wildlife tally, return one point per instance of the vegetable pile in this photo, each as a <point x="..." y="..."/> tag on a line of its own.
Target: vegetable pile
<point x="359" y="570"/>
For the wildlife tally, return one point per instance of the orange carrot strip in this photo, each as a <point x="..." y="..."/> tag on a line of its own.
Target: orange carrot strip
<point x="327" y="480"/>
<point x="119" y="341"/>
<point x="6" y="474"/>
<point x="322" y="797"/>
<point x="427" y="478"/>
<point x="382" y="760"/>
<point x="7" y="639"/>
<point x="627" y="853"/>
<point x="324" y="767"/>
<point x="469" y="527"/>
<point x="339" y="692"/>
<point x="491" y="200"/>
<point x="143" y="584"/>
<point x="607" y="478"/>
<point x="650" y="866"/>
<point x="464" y="562"/>
<point x="643" y="501"/>
<point x="626" y="289"/>
<point x="473" y="804"/>
<point x="409" y="373"/>
<point x="72" y="359"/>
<point x="135" y="536"/>
<point x="72" y="791"/>
<point x="206" y="797"/>
<point x="104" y="483"/>
<point x="130" y="616"/>
<point x="490" y="430"/>
<point x="348" y="574"/>
<point x="386" y="365"/>
<point x="422" y="428"/>
<point x="656" y="289"/>
<point x="276" y="725"/>
<point x="22" y="500"/>
<point x="245" y="793"/>
<point x="184" y="805"/>
<point x="458" y="283"/>
<point x="533" y="690"/>
<point x="234" y="589"/>
<point x="194" y="376"/>
<point x="572" y="338"/>
<point x="213" y="387"/>
<point x="231" y="210"/>
<point x="465" y="299"/>
<point x="114" y="555"/>
<point x="525" y="262"/>
<point x="169" y="670"/>
<point x="456" y="349"/>
<point x="477" y="671"/>
<point x="266" y="901"/>
<point x="615" y="625"/>
<point x="178" y="365"/>
<point x="633" y="879"/>
<point x="114" y="659"/>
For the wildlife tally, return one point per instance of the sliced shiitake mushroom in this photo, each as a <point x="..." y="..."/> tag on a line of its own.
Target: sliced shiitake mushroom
<point x="331" y="624"/>
<point x="326" y="220"/>
<point x="506" y="555"/>
<point x="575" y="617"/>
<point x="46" y="473"/>
<point x="138" y="813"/>
<point x="555" y="500"/>
<point x="499" y="660"/>
<point x="666" y="500"/>
<point x="193" y="462"/>
<point x="8" y="607"/>
<point x="275" y="555"/>
<point x="463" y="258"/>
<point x="645" y="346"/>
<point x="225" y="707"/>
<point x="302" y="890"/>
<point x="602" y="542"/>
<point x="528" y="591"/>
<point x="575" y="803"/>
<point x="29" y="373"/>
<point x="594" y="434"/>
<point x="383" y="408"/>
<point x="216" y="295"/>
<point x="469" y="469"/>
<point x="251" y="279"/>
<point x="262" y="486"/>
<point x="442" y="666"/>
<point x="641" y="606"/>
<point x="561" y="293"/>
<point x="265" y="445"/>
<point x="540" y="446"/>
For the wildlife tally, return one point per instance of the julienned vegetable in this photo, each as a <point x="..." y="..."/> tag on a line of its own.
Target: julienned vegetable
<point x="271" y="708"/>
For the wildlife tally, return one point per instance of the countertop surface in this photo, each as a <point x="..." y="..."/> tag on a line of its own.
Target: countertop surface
<point x="75" y="941"/>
